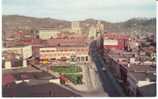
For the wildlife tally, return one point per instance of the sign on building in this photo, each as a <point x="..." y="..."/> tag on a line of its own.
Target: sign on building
<point x="110" y="42"/>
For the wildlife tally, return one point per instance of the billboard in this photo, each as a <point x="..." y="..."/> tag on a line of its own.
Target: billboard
<point x="111" y="42"/>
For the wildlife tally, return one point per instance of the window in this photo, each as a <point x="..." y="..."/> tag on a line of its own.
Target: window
<point x="43" y="51"/>
<point x="61" y="50"/>
<point x="53" y="58"/>
<point x="16" y="63"/>
<point x="78" y="50"/>
<point x="65" y="50"/>
<point x="82" y="58"/>
<point x="86" y="58"/>
<point x="3" y="63"/>
<point x="78" y="59"/>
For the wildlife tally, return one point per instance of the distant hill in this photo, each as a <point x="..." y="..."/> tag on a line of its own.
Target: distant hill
<point x="15" y="21"/>
<point x="11" y="23"/>
<point x="138" y="25"/>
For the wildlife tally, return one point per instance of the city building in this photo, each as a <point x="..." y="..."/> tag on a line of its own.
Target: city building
<point x="141" y="80"/>
<point x="47" y="33"/>
<point x="92" y="32"/>
<point x="66" y="54"/>
<point x="75" y="26"/>
<point x="100" y="27"/>
<point x="68" y="41"/>
<point x="133" y="44"/>
<point x="137" y="77"/>
<point x="15" y="57"/>
<point x="69" y="35"/>
<point x="115" y="41"/>
<point x="63" y="48"/>
<point x="18" y="83"/>
<point x="68" y="30"/>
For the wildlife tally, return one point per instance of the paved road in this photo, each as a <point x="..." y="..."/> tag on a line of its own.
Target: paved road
<point x="86" y="77"/>
<point x="109" y="84"/>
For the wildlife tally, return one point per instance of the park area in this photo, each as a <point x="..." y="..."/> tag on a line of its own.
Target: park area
<point x="73" y="73"/>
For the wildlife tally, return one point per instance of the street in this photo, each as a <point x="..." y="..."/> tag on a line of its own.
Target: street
<point x="109" y="84"/>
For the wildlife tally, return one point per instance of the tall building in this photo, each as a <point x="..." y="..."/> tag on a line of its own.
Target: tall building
<point x="100" y="27"/>
<point x="96" y="30"/>
<point x="92" y="32"/>
<point x="75" y="26"/>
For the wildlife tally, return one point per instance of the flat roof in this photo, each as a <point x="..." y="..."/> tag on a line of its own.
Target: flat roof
<point x="142" y="76"/>
<point x="30" y="75"/>
<point x="41" y="90"/>
<point x="143" y="68"/>
<point x="149" y="90"/>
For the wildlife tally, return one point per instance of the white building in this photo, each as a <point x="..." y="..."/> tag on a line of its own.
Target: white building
<point x="45" y="34"/>
<point x="92" y="32"/>
<point x="100" y="27"/>
<point x="16" y="54"/>
<point x="75" y="26"/>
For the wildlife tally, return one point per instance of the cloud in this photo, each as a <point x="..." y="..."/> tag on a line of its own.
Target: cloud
<point x="81" y="9"/>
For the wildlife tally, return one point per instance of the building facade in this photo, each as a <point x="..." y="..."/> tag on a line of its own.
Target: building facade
<point x="15" y="57"/>
<point x="45" y="34"/>
<point x="65" y="54"/>
<point x="92" y="32"/>
<point x="75" y="26"/>
<point x="100" y="27"/>
<point x="115" y="41"/>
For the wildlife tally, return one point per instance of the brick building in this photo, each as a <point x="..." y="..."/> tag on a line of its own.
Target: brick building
<point x="115" y="41"/>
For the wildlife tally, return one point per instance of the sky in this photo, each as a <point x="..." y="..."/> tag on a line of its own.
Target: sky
<point x="109" y="10"/>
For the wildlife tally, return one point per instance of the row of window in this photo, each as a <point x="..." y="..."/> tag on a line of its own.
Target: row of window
<point x="55" y="54"/>
<point x="59" y="55"/>
<point x="64" y="50"/>
<point x="82" y="58"/>
<point x="79" y="59"/>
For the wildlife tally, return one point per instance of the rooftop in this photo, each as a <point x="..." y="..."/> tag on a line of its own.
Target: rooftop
<point x="148" y="90"/>
<point x="116" y="36"/>
<point x="67" y="42"/>
<point x="42" y="90"/>
<point x="142" y="68"/>
<point x="29" y="75"/>
<point x="143" y="76"/>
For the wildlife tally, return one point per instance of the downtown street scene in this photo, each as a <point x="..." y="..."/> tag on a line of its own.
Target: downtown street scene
<point x="67" y="48"/>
